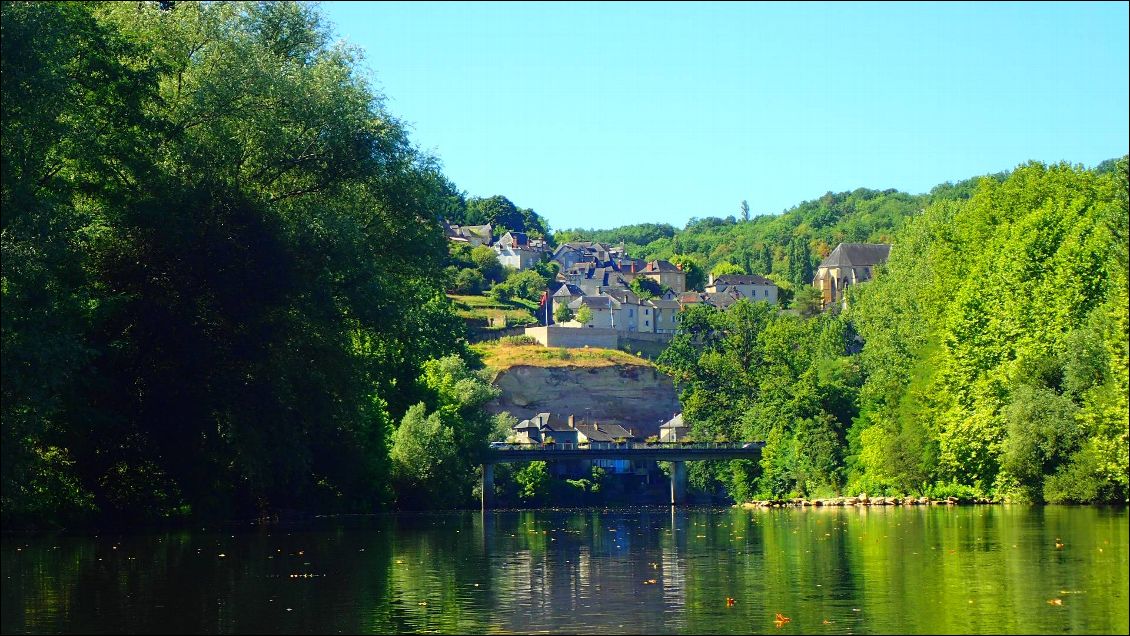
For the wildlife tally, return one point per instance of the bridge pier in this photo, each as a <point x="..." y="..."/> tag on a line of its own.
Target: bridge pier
<point x="488" y="486"/>
<point x="678" y="483"/>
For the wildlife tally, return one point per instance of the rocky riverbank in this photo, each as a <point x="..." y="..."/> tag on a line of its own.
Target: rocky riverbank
<point x="861" y="500"/>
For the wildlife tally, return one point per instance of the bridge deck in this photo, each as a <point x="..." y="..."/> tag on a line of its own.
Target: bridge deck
<point x="674" y="452"/>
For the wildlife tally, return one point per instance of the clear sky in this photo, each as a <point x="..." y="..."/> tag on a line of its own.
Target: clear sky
<point x="599" y="115"/>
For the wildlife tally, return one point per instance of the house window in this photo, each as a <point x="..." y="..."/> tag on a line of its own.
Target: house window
<point x="631" y="313"/>
<point x="646" y="323"/>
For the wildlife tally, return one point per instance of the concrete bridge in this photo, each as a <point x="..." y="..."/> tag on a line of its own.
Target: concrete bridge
<point x="675" y="452"/>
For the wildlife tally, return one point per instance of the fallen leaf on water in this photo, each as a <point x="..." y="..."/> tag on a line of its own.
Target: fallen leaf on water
<point x="729" y="601"/>
<point x="827" y="622"/>
<point x="780" y="620"/>
<point x="1055" y="601"/>
<point x="649" y="582"/>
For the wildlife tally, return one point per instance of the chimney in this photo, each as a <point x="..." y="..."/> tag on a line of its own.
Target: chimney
<point x="710" y="279"/>
<point x="571" y="421"/>
<point x="633" y="267"/>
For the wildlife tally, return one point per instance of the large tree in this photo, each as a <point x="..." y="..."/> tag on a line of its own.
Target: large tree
<point x="236" y="248"/>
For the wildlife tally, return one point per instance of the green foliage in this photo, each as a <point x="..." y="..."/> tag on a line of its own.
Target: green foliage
<point x="533" y="482"/>
<point x="645" y="288"/>
<point x="468" y="281"/>
<point x="584" y="315"/>
<point x="562" y="313"/>
<point x="726" y="268"/>
<point x="504" y="215"/>
<point x="1042" y="435"/>
<point x="992" y="344"/>
<point x="435" y="454"/>
<point x="751" y="373"/>
<point x="764" y="244"/>
<point x="221" y="264"/>
<point x="486" y="260"/>
<point x="696" y="277"/>
<point x="993" y="362"/>
<point x="527" y="284"/>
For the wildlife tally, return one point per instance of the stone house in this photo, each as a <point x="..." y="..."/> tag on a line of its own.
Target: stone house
<point x="544" y="427"/>
<point x="566" y="293"/>
<point x="753" y="287"/>
<point x="473" y="235"/>
<point x="665" y="273"/>
<point x="514" y="250"/>
<point x="664" y="311"/>
<point x="673" y="429"/>
<point x="849" y="264"/>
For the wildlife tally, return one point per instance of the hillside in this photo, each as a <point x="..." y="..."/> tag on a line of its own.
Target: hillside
<point x="785" y="247"/>
<point x="500" y="356"/>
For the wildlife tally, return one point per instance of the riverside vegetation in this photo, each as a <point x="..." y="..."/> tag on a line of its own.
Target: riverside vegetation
<point x="223" y="283"/>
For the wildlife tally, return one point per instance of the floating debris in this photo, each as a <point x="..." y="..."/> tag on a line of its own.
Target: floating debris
<point x="1055" y="601"/>
<point x="780" y="620"/>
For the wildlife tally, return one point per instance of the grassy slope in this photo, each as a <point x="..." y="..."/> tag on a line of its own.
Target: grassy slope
<point x="478" y="309"/>
<point x="499" y="356"/>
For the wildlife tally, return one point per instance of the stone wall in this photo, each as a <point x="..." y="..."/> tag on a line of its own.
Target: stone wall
<point x="574" y="337"/>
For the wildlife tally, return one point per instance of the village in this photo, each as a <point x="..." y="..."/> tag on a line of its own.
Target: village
<point x="593" y="290"/>
<point x="594" y="283"/>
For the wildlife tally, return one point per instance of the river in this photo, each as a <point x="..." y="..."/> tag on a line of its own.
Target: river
<point x="937" y="569"/>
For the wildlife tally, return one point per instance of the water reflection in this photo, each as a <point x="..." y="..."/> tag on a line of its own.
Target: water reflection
<point x="879" y="570"/>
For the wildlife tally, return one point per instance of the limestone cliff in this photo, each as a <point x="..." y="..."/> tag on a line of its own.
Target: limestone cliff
<point x="636" y="397"/>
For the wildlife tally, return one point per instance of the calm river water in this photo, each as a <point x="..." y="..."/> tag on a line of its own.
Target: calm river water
<point x="984" y="569"/>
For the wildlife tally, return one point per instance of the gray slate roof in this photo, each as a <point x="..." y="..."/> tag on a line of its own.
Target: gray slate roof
<point x="568" y="290"/>
<point x="661" y="266"/>
<point x="615" y="430"/>
<point x="593" y="433"/>
<point x="857" y="255"/>
<point x="599" y="302"/>
<point x="740" y="279"/>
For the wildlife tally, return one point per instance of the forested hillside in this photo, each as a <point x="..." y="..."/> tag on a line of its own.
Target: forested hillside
<point x="988" y="358"/>
<point x="786" y="247"/>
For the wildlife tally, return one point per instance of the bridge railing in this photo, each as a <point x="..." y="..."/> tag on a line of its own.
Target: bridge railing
<point x="501" y="446"/>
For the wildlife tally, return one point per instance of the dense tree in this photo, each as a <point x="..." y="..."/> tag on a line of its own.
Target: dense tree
<point x="486" y="260"/>
<point x="993" y="363"/>
<point x="526" y="284"/>
<point x="441" y="441"/>
<point x="645" y="288"/>
<point x="726" y="268"/>
<point x="562" y="313"/>
<point x="982" y="342"/>
<point x="696" y="277"/>
<point x="237" y="254"/>
<point x="583" y="315"/>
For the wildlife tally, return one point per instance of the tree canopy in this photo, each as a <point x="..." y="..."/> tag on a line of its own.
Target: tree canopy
<point x="221" y="261"/>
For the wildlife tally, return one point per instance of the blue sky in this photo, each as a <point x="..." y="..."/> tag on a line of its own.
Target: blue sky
<point x="599" y="115"/>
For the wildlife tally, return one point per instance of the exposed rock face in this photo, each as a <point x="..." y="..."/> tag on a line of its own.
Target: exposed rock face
<point x="639" y="398"/>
